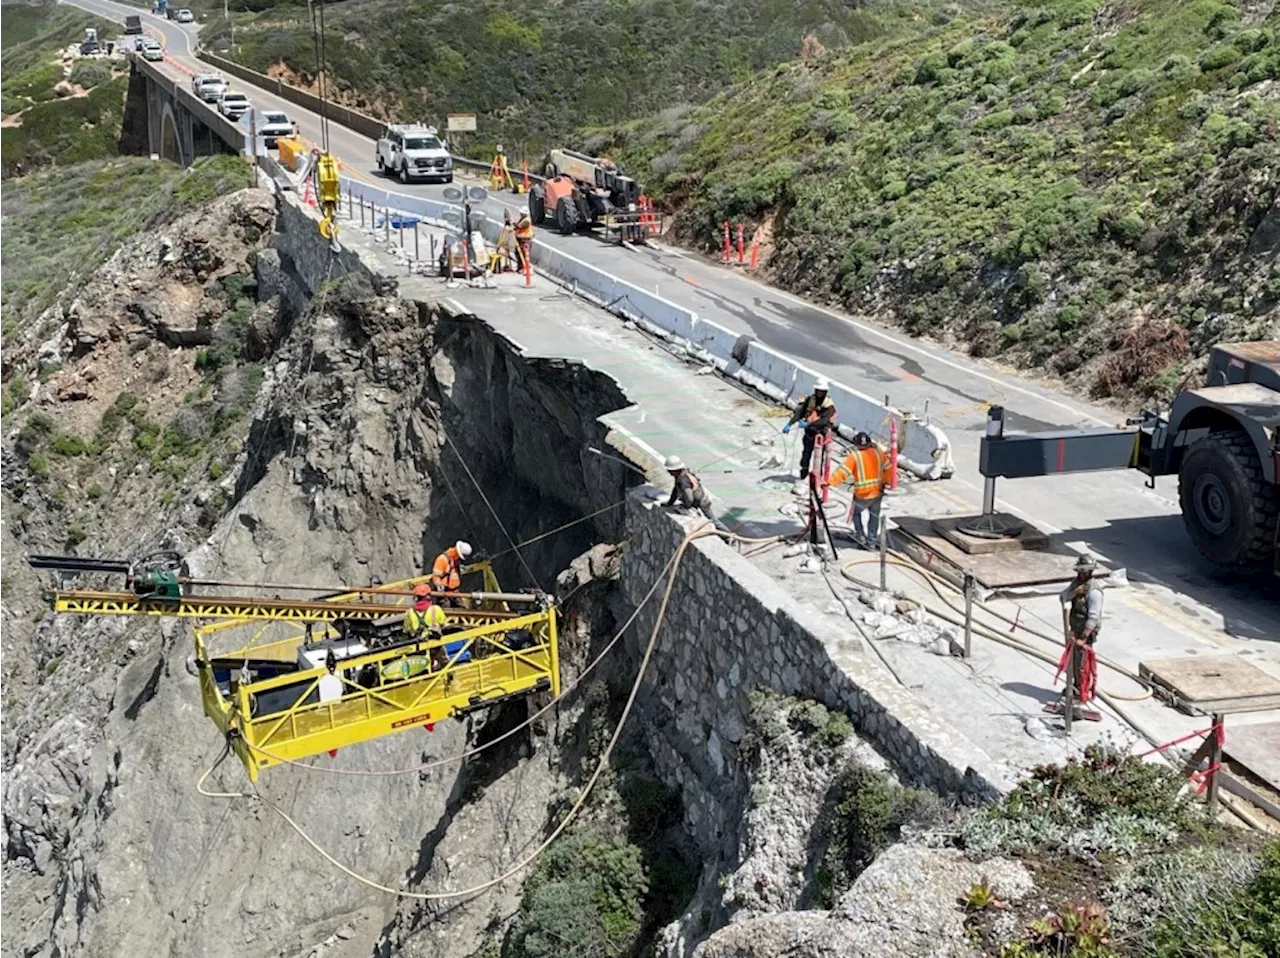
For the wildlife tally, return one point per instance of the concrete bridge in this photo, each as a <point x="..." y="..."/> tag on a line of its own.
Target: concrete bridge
<point x="179" y="126"/>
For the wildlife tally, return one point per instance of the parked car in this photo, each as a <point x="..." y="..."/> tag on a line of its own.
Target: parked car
<point x="185" y="16"/>
<point x="150" y="49"/>
<point x="208" y="87"/>
<point x="233" y="105"/>
<point x="272" y="125"/>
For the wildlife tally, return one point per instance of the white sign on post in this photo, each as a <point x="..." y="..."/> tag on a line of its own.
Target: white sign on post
<point x="462" y="122"/>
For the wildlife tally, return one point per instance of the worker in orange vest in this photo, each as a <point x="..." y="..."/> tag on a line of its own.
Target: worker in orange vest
<point x="446" y="571"/>
<point x="524" y="236"/>
<point x="819" y="415"/>
<point x="865" y="466"/>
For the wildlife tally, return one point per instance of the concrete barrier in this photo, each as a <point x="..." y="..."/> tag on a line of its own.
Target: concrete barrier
<point x="924" y="450"/>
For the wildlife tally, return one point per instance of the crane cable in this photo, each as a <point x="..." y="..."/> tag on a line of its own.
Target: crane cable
<point x="674" y="564"/>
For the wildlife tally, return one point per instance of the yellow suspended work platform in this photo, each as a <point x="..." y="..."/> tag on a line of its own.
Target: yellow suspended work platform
<point x="338" y="669"/>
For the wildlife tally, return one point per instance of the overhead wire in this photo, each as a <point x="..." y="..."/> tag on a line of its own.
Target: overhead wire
<point x="703" y="529"/>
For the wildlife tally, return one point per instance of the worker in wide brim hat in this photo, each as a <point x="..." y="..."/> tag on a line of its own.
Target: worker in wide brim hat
<point x="818" y="413"/>
<point x="1082" y="610"/>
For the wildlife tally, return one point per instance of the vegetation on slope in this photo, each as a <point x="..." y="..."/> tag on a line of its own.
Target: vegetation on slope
<point x="55" y="114"/>
<point x="60" y="225"/>
<point x="537" y="71"/>
<point x="1080" y="184"/>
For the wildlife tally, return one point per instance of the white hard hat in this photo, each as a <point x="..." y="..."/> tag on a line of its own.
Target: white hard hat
<point x="464" y="548"/>
<point x="674" y="463"/>
<point x="822" y="382"/>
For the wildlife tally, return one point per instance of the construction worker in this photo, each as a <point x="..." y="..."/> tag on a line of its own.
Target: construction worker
<point x="865" y="466"/>
<point x="819" y="415"/>
<point x="524" y="236"/>
<point x="446" y="571"/>
<point x="424" y="619"/>
<point x="1082" y="610"/>
<point x="687" y="488"/>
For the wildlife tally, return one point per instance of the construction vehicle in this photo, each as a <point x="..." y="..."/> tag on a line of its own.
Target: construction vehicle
<point x="132" y="25"/>
<point x="90" y="45"/>
<point x="326" y="671"/>
<point x="1221" y="440"/>
<point x="583" y="192"/>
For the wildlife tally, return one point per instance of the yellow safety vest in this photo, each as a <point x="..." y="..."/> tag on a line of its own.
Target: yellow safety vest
<point x="433" y="619"/>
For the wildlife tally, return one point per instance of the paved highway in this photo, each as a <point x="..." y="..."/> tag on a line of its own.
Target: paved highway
<point x="1112" y="514"/>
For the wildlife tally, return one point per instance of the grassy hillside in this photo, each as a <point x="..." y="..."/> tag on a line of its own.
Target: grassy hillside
<point x="60" y="225"/>
<point x="537" y="71"/>
<point x="1085" y="185"/>
<point x="55" y="112"/>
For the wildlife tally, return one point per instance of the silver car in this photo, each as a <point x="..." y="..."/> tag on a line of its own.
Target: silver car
<point x="272" y="125"/>
<point x="209" y="87"/>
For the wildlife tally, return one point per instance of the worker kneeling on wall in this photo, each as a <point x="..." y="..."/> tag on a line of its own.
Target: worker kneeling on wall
<point x="687" y="490"/>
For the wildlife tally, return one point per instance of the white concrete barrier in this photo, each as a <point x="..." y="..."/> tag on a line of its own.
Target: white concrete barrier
<point x="924" y="449"/>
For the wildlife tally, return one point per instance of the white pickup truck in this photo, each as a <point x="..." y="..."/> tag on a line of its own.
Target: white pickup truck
<point x="414" y="152"/>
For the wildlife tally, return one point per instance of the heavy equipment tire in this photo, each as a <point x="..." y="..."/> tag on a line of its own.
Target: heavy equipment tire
<point x="537" y="206"/>
<point x="566" y="215"/>
<point x="404" y="173"/>
<point x="1228" y="507"/>
<point x="382" y="167"/>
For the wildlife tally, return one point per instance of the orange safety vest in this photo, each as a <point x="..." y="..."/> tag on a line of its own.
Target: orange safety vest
<point x="444" y="571"/>
<point x="524" y="228"/>
<point x="866" y="468"/>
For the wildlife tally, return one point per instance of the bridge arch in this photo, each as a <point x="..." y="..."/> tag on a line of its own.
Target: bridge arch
<point x="171" y="145"/>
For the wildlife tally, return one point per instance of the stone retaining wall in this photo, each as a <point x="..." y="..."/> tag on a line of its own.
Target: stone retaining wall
<point x="731" y="629"/>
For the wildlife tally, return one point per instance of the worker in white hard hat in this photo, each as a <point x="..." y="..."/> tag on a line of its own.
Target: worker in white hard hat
<point x="687" y="490"/>
<point x="446" y="571"/>
<point x="818" y="413"/>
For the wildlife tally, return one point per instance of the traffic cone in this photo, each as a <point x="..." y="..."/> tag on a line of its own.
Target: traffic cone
<point x="755" y="251"/>
<point x="742" y="251"/>
<point x="526" y="176"/>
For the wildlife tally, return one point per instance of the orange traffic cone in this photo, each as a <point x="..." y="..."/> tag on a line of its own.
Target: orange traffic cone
<point x="526" y="176"/>
<point x="755" y="250"/>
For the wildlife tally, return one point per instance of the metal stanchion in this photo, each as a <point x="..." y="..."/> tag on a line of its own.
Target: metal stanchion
<point x="386" y="223"/>
<point x="968" y="614"/>
<point x="362" y="212"/>
<point x="884" y="546"/>
<point x="415" y="240"/>
<point x="400" y="225"/>
<point x="348" y="202"/>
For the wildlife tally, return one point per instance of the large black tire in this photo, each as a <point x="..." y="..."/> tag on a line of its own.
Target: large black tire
<point x="1227" y="506"/>
<point x="566" y="215"/>
<point x="381" y="167"/>
<point x="537" y="206"/>
<point x="404" y="172"/>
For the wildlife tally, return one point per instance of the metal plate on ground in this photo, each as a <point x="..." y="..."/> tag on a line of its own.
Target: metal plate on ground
<point x="1214" y="683"/>
<point x="1257" y="748"/>
<point x="999" y="571"/>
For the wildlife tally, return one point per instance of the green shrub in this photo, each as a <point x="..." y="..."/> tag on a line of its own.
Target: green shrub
<point x="869" y="815"/>
<point x="38" y="465"/>
<point x="94" y="492"/>
<point x="1106" y="801"/>
<point x="1215" y="58"/>
<point x="16" y="393"/>
<point x="67" y="445"/>
<point x="584" y="898"/>
<point x="76" y="534"/>
<point x="89" y="73"/>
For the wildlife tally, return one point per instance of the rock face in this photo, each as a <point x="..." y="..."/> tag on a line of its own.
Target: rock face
<point x="907" y="904"/>
<point x="345" y="475"/>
